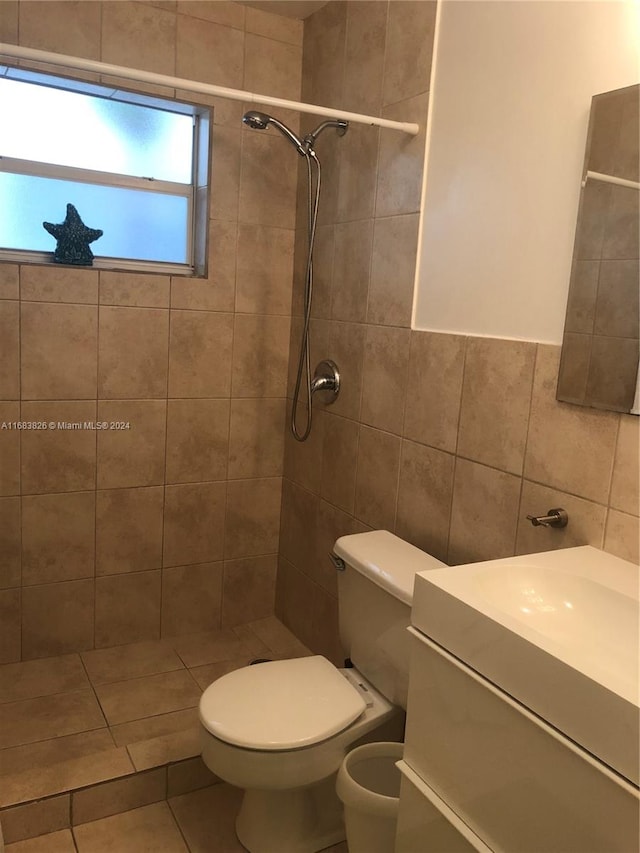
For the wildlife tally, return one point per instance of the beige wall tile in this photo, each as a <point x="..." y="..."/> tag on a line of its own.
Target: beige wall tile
<point x="267" y="195"/>
<point x="346" y="345"/>
<point x="225" y="189"/>
<point x="562" y="437"/>
<point x="58" y="284"/>
<point x="193" y="523"/>
<point x="9" y="273"/>
<point x="260" y="355"/>
<point x="484" y="513"/>
<point x="132" y="354"/>
<point x="191" y="599"/>
<point x="256" y="438"/>
<point x="9" y="350"/>
<point x="434" y="389"/>
<point x="393" y="266"/>
<point x="585" y="527"/>
<point x="265" y="267"/>
<point x="339" y="462"/>
<point x="622" y="537"/>
<point x="58" y="537"/>
<point x="38" y="818"/>
<point x="616" y="312"/>
<point x="295" y="594"/>
<point x="123" y="701"/>
<point x="401" y="159"/>
<point x="58" y="460"/>
<point x="53" y="842"/>
<point x="496" y="395"/>
<point x="59" y="351"/>
<point x="197" y="440"/>
<point x="352" y="260"/>
<point x="150" y="827"/>
<point x="200" y="354"/>
<point x="248" y="589"/>
<point x="10" y="538"/>
<point x="424" y="498"/>
<point x="57" y="618"/>
<point x="325" y="638"/>
<point x="386" y="362"/>
<point x="621" y="236"/>
<point x="65" y="27"/>
<point x="613" y="369"/>
<point x="212" y="647"/>
<point x="274" y="26"/>
<point x="9" y="450"/>
<point x="131" y="661"/>
<point x="127" y="608"/>
<point x="573" y="373"/>
<point x="222" y="12"/>
<point x="303" y="460"/>
<point x="129" y="530"/>
<point x="323" y="254"/>
<point x="119" y="796"/>
<point x="626" y="471"/>
<point x="9" y="22"/>
<point x="217" y="291"/>
<point x="364" y="56"/>
<point x="139" y="36"/>
<point x="358" y="168"/>
<point x="252" y="522"/>
<point x="410" y="31"/>
<point x="209" y="52"/>
<point x="272" y="67"/>
<point x="299" y="512"/>
<point x="583" y="289"/>
<point x="324" y="42"/>
<point x="134" y="289"/>
<point x="133" y="456"/>
<point x="10" y="619"/>
<point x="377" y="478"/>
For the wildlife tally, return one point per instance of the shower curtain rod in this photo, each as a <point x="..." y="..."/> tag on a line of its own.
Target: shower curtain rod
<point x="138" y="75"/>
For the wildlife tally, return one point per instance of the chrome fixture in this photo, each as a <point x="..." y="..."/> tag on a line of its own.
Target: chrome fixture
<point x="327" y="377"/>
<point x="554" y="518"/>
<point x="326" y="381"/>
<point x="338" y="562"/>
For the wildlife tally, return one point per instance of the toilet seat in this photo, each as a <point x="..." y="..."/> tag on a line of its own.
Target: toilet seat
<point x="280" y="705"/>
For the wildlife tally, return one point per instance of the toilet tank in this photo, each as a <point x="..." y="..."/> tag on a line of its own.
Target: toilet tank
<point x="375" y="593"/>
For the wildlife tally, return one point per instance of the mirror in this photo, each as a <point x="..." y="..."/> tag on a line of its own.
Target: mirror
<point x="599" y="364"/>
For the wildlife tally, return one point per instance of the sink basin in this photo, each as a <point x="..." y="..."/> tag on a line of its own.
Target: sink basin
<point x="557" y="631"/>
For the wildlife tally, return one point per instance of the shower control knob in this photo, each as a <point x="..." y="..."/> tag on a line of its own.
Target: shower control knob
<point x="326" y="381"/>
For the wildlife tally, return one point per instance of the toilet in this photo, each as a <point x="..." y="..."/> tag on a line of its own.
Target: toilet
<point x="280" y="730"/>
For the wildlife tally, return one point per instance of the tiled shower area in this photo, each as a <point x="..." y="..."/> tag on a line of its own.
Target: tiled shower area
<point x="138" y="565"/>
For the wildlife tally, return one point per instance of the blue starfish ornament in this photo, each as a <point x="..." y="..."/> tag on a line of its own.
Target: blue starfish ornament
<point x="73" y="238"/>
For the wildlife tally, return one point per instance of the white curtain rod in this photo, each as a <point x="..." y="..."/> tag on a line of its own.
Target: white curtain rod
<point x="95" y="66"/>
<point x="610" y="179"/>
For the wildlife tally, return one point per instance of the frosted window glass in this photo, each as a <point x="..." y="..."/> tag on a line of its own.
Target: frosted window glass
<point x="51" y="125"/>
<point x="136" y="224"/>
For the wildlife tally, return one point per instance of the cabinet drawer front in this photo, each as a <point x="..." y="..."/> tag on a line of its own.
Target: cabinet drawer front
<point x="515" y="781"/>
<point x="426" y="824"/>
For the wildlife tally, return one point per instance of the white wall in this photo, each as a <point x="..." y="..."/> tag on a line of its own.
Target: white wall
<point x="509" y="114"/>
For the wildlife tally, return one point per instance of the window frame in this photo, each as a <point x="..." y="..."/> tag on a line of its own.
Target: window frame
<point x="196" y="192"/>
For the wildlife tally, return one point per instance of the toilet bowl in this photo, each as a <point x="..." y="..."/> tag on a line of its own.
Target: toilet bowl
<point x="280" y="729"/>
<point x="283" y="743"/>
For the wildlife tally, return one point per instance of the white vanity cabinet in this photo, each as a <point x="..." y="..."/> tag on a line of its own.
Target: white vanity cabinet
<point x="482" y="772"/>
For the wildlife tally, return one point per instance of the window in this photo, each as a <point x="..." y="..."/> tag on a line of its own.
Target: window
<point x="132" y="165"/>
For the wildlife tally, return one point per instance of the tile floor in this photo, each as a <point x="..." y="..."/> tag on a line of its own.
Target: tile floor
<point x="96" y="731"/>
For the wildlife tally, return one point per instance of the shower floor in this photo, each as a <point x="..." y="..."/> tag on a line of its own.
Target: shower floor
<point x="87" y="737"/>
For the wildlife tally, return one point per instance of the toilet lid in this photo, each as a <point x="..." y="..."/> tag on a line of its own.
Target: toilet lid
<point x="282" y="704"/>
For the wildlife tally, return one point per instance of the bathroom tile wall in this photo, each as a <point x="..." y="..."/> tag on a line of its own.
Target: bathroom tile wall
<point x="449" y="441"/>
<point x="171" y="526"/>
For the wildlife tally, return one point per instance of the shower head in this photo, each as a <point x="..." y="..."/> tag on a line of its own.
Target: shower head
<point x="340" y="125"/>
<point x="260" y="121"/>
